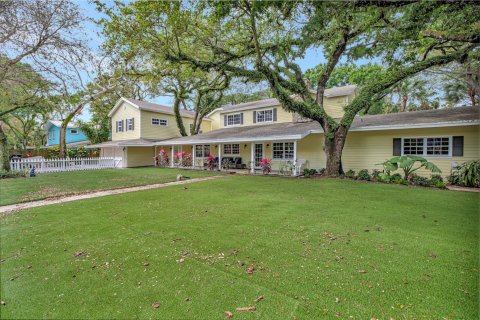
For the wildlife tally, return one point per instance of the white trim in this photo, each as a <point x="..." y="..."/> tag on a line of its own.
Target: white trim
<point x="416" y="126"/>
<point x="424" y="154"/>
<point x="235" y="140"/>
<point x="225" y="125"/>
<point x="214" y="110"/>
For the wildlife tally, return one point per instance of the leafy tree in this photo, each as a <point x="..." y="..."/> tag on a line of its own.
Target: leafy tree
<point x="409" y="37"/>
<point x="346" y="74"/>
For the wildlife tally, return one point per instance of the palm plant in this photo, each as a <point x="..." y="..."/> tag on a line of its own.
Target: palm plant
<point x="409" y="164"/>
<point x="467" y="174"/>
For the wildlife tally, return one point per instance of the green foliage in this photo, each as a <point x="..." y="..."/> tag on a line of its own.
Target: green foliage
<point x="376" y="174"/>
<point x="13" y="174"/>
<point x="308" y="173"/>
<point x="419" y="180"/>
<point x="409" y="164"/>
<point x="346" y="74"/>
<point x="467" y="174"/>
<point x="350" y="174"/>
<point x="363" y="175"/>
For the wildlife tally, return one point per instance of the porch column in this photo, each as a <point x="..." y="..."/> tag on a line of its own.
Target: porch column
<point x="252" y="157"/>
<point x="295" y="158"/>
<point x="171" y="159"/>
<point x="220" y="156"/>
<point x="154" y="156"/>
<point x="194" y="150"/>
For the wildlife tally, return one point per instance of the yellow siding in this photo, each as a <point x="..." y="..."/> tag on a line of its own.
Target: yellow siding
<point x="139" y="156"/>
<point x="310" y="149"/>
<point x="365" y="149"/>
<point x="282" y="116"/>
<point x="126" y="111"/>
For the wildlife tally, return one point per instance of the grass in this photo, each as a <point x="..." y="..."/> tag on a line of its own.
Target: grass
<point x="321" y="249"/>
<point x="64" y="183"/>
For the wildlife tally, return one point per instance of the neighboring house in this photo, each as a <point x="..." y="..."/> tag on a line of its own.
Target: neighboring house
<point x="263" y="129"/>
<point x="74" y="136"/>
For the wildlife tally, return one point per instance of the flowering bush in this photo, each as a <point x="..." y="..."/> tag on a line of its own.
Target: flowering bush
<point x="183" y="158"/>
<point x="211" y="162"/>
<point x="266" y="165"/>
<point x="163" y="160"/>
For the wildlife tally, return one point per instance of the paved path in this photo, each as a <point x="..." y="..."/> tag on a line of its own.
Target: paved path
<point x="21" y="206"/>
<point x="458" y="188"/>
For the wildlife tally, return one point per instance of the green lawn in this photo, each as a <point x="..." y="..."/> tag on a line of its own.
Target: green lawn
<point x="321" y="249"/>
<point x="64" y="183"/>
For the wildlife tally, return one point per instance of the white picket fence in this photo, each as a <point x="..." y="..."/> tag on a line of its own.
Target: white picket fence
<point x="42" y="165"/>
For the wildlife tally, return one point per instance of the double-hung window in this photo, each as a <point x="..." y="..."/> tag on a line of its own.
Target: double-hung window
<point x="428" y="146"/>
<point x="234" y="119"/>
<point x="130" y="124"/>
<point x="231" y="149"/>
<point x="120" y="126"/>
<point x="159" y="122"/>
<point x="283" y="150"/>
<point x="265" y="116"/>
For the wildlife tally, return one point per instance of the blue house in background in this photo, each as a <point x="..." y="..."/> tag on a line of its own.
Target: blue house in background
<point x="74" y="135"/>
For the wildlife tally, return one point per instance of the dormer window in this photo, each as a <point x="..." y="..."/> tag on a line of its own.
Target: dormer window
<point x="233" y="119"/>
<point x="265" y="116"/>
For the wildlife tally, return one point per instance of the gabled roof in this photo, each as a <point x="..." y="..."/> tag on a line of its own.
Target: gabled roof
<point x="149" y="106"/>
<point x="57" y="123"/>
<point x="271" y="102"/>
<point x="297" y="130"/>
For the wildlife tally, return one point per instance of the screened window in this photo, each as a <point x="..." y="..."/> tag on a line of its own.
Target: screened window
<point x="265" y="116"/>
<point x="233" y="148"/>
<point x="234" y="119"/>
<point x="283" y="150"/>
<point x="431" y="146"/>
<point x="159" y="122"/>
<point x="73" y="131"/>
<point x="202" y="151"/>
<point x="120" y="126"/>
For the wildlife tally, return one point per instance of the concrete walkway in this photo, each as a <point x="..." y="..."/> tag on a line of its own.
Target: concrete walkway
<point x="21" y="206"/>
<point x="465" y="189"/>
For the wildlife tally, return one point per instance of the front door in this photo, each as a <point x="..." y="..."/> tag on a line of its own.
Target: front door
<point x="258" y="154"/>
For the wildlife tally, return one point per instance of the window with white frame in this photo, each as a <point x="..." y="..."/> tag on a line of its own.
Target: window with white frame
<point x="159" y="122"/>
<point x="427" y="146"/>
<point x="283" y="150"/>
<point x="231" y="148"/>
<point x="202" y="151"/>
<point x="120" y="126"/>
<point x="234" y="119"/>
<point x="265" y="116"/>
<point x="129" y="124"/>
<point x="73" y="131"/>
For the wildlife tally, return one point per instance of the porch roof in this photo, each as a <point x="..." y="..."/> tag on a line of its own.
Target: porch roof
<point x="125" y="143"/>
<point x="460" y="116"/>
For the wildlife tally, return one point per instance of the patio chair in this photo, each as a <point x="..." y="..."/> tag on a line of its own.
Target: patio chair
<point x="299" y="164"/>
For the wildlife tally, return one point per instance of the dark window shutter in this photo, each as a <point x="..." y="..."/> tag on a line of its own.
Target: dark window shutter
<point x="457" y="146"/>
<point x="254" y="116"/>
<point x="397" y="146"/>
<point x="274" y="114"/>
<point x="241" y="118"/>
<point x="225" y="120"/>
<point x="133" y="124"/>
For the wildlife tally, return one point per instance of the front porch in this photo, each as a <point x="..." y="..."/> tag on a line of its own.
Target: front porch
<point x="239" y="156"/>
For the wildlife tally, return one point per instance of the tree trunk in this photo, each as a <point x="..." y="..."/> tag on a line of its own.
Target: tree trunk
<point x="471" y="94"/>
<point x="404" y="103"/>
<point x="63" y="142"/>
<point x="333" y="151"/>
<point x="178" y="117"/>
<point x="4" y="155"/>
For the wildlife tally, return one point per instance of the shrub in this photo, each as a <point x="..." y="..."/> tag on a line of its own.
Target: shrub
<point x="163" y="160"/>
<point x="376" y="174"/>
<point x="350" y="174"/>
<point x="436" y="178"/>
<point x="420" y="181"/>
<point x="438" y="184"/>
<point x="407" y="163"/>
<point x="396" y="178"/>
<point x="211" y="162"/>
<point x="467" y="174"/>
<point x="363" y="175"/>
<point x="266" y="165"/>
<point x="321" y="172"/>
<point x="13" y="174"/>
<point x="308" y="173"/>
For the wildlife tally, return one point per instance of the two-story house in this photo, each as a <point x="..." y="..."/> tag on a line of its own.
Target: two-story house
<point x="73" y="137"/>
<point x="263" y="129"/>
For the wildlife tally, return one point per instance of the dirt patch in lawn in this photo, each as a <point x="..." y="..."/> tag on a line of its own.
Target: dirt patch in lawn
<point x="43" y="193"/>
